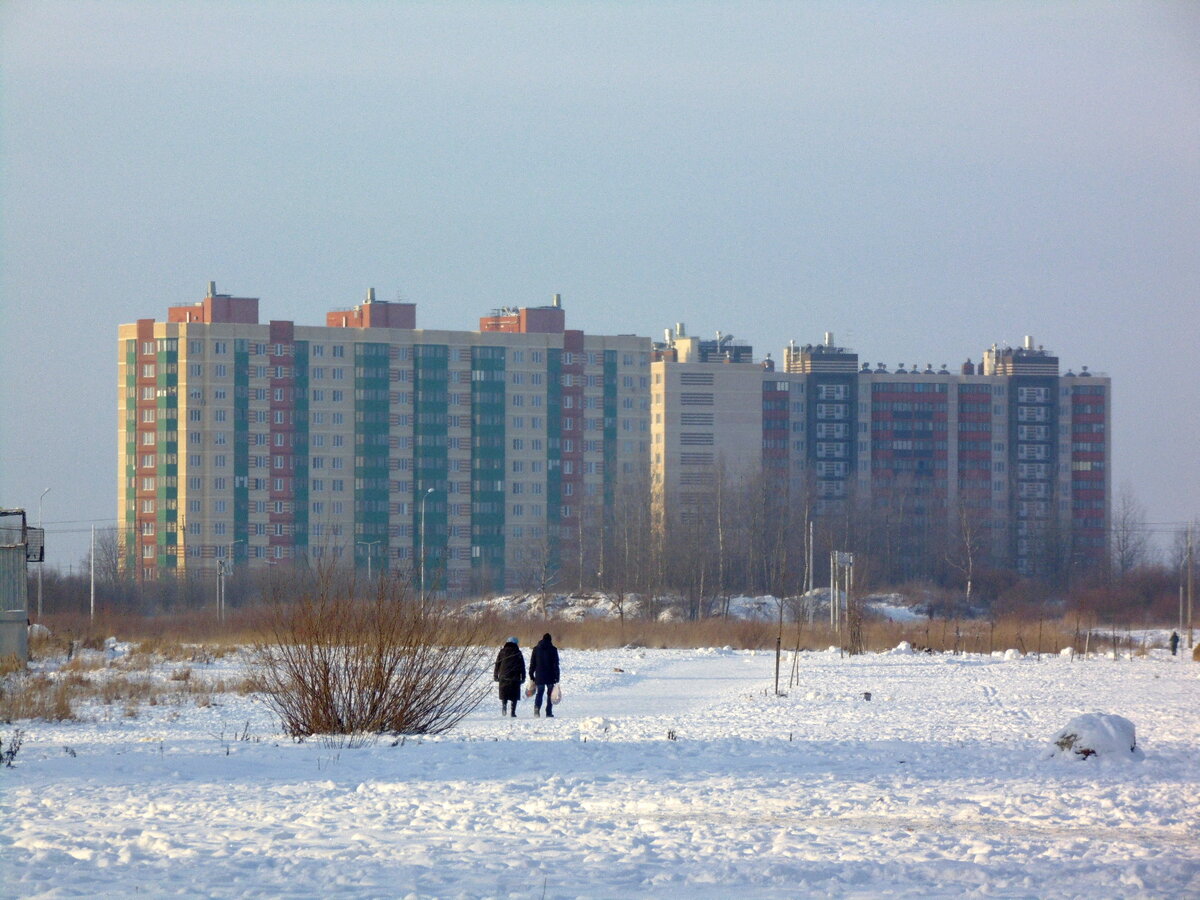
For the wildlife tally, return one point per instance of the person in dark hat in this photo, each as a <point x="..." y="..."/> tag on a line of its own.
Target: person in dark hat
<point x="509" y="672"/>
<point x="543" y="669"/>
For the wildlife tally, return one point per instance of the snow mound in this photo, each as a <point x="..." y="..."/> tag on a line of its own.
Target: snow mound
<point x="904" y="648"/>
<point x="1066" y="652"/>
<point x="1012" y="653"/>
<point x="1096" y="734"/>
<point x="892" y="609"/>
<point x="38" y="630"/>
<point x="763" y="608"/>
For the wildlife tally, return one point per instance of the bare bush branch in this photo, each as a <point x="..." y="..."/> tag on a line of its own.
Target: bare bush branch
<point x="333" y="663"/>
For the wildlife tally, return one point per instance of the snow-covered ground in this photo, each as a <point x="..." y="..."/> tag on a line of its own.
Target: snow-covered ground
<point x="665" y="773"/>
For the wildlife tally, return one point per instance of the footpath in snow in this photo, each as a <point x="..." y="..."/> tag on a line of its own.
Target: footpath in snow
<point x="664" y="773"/>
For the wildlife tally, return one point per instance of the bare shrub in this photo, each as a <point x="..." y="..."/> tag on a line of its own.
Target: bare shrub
<point x="9" y="753"/>
<point x="335" y="663"/>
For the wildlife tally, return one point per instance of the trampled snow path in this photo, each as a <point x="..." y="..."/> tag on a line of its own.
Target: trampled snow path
<point x="934" y="787"/>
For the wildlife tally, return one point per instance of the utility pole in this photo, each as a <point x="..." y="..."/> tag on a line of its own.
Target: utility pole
<point x="220" y="590"/>
<point x="41" y="563"/>
<point x="1189" y="584"/>
<point x="92" y="607"/>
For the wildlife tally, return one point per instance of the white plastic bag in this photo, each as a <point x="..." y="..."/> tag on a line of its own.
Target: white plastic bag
<point x="556" y="695"/>
<point x="530" y="688"/>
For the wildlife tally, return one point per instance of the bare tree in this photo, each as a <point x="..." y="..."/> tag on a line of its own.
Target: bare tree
<point x="1129" y="538"/>
<point x="537" y="568"/>
<point x="968" y="545"/>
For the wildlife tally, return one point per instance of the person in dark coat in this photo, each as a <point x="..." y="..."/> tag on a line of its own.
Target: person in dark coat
<point x="509" y="672"/>
<point x="1174" y="642"/>
<point x="543" y="669"/>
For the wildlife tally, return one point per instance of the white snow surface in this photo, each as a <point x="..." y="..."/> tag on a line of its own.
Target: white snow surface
<point x="937" y="786"/>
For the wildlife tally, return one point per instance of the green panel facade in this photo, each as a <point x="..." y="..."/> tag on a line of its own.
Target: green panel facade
<point x="431" y="466"/>
<point x="371" y="428"/>
<point x="610" y="429"/>
<point x="487" y="467"/>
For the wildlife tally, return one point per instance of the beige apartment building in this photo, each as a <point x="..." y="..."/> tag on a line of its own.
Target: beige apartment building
<point x="469" y="459"/>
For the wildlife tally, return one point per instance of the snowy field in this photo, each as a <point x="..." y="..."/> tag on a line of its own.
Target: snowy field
<point x="664" y="774"/>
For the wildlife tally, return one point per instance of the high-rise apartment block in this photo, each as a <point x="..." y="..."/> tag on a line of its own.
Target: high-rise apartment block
<point x="1009" y="450"/>
<point x="483" y="460"/>
<point x="469" y="457"/>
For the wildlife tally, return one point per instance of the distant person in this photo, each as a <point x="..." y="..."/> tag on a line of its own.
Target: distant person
<point x="509" y="672"/>
<point x="1174" y="643"/>
<point x="543" y="669"/>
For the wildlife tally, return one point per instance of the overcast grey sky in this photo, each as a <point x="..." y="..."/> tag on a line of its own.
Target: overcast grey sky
<point x="922" y="179"/>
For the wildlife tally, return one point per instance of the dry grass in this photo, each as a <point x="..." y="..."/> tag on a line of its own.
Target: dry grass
<point x="174" y="635"/>
<point x="37" y="697"/>
<point x="81" y="672"/>
<point x="10" y="664"/>
<point x="58" y="696"/>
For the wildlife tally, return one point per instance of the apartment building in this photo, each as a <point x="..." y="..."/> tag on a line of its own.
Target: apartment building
<point x="467" y="458"/>
<point x="1009" y="448"/>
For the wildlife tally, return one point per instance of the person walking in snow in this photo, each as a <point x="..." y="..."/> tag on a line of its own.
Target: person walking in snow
<point x="1174" y="642"/>
<point x="509" y="672"/>
<point x="543" y="669"/>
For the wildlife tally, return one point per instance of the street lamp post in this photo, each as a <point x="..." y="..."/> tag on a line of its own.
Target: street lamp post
<point x="424" y="497"/>
<point x="224" y="569"/>
<point x="368" y="545"/>
<point x="42" y="561"/>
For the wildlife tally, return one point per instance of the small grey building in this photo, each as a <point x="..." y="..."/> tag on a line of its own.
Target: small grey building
<point x="19" y="546"/>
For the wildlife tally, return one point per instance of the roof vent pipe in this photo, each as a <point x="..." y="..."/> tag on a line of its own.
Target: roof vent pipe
<point x="212" y="289"/>
<point x="1029" y="342"/>
<point x="370" y="295"/>
<point x="829" y="339"/>
<point x="557" y="302"/>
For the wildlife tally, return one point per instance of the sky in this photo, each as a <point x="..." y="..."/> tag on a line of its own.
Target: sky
<point x="923" y="180"/>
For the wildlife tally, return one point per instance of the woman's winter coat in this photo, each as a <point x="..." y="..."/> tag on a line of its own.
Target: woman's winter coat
<point x="510" y="665"/>
<point x="543" y="663"/>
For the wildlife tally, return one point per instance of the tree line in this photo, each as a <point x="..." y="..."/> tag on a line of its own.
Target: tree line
<point x="747" y="535"/>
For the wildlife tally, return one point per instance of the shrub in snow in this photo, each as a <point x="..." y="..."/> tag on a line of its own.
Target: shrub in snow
<point x="9" y="753"/>
<point x="337" y="663"/>
<point x="1096" y="734"/>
